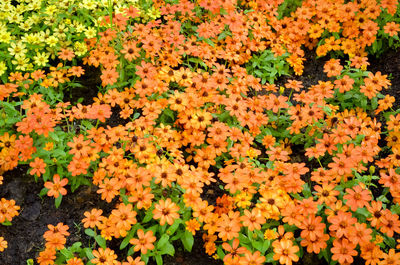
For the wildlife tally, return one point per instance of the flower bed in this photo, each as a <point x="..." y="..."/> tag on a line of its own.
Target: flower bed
<point x="201" y="125"/>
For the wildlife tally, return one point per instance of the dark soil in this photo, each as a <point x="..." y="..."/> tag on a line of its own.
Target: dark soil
<point x="25" y="235"/>
<point x="389" y="64"/>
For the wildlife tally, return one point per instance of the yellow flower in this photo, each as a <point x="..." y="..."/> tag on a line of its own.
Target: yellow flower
<point x="88" y="4"/>
<point x="17" y="49"/>
<point x="242" y="200"/>
<point x="35" y="4"/>
<point x="90" y="32"/>
<point x="153" y="13"/>
<point x="378" y="239"/>
<point x="41" y="59"/>
<point x="34" y="19"/>
<point x="14" y="18"/>
<point x="251" y="153"/>
<point x="25" y="26"/>
<point x="80" y="48"/>
<point x="270" y="234"/>
<point x="49" y="146"/>
<point x="3" y="68"/>
<point x="5" y="36"/>
<point x="80" y="27"/>
<point x="192" y="226"/>
<point x="21" y="62"/>
<point x="52" y="41"/>
<point x="50" y="10"/>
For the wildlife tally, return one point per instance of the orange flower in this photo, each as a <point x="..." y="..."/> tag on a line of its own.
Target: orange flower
<point x="66" y="54"/>
<point x="56" y="241"/>
<point x="192" y="226"/>
<point x="144" y="242"/>
<point x="343" y="250"/>
<point x="285" y="251"/>
<point x="234" y="250"/>
<point x="47" y="256"/>
<point x="391" y="258"/>
<point x="341" y="223"/>
<point x="38" y="167"/>
<point x="312" y="228"/>
<point x="357" y="198"/>
<point x="391" y="28"/>
<point x="8" y="210"/>
<point x="389" y="223"/>
<point x="60" y="229"/>
<point x="104" y="256"/>
<point x="253" y="220"/>
<point x="252" y="259"/>
<point x="3" y="244"/>
<point x="56" y="187"/>
<point x="108" y="189"/>
<point x="109" y="76"/>
<point x="92" y="218"/>
<point x="131" y="261"/>
<point x="315" y="246"/>
<point x="344" y="84"/>
<point x="333" y="67"/>
<point x="142" y="197"/>
<point x="166" y="211"/>
<point x="123" y="218"/>
<point x="75" y="261"/>
<point x="327" y="193"/>
<point x="79" y="146"/>
<point x="229" y="225"/>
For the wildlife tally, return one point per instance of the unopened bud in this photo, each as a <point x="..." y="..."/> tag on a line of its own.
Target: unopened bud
<point x="371" y="170"/>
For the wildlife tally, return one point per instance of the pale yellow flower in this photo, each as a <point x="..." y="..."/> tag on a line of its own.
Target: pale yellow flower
<point x="52" y="41"/>
<point x="5" y="37"/>
<point x="15" y="18"/>
<point x="3" y="68"/>
<point x="41" y="59"/>
<point x="80" y="48"/>
<point x="21" y="62"/>
<point x="90" y="32"/>
<point x="17" y="49"/>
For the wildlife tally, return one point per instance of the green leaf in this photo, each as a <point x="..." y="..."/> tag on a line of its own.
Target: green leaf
<point x="90" y="232"/>
<point x="43" y="192"/>
<point x="101" y="241"/>
<point x="159" y="260"/>
<point x="269" y="258"/>
<point x="171" y="230"/>
<point x="243" y="239"/>
<point x="6" y="223"/>
<point x="89" y="253"/>
<point x="163" y="240"/>
<point x="265" y="246"/>
<point x="168" y="249"/>
<point x="66" y="253"/>
<point x="76" y="247"/>
<point x="395" y="209"/>
<point x="257" y="245"/>
<point x="126" y="240"/>
<point x="390" y="241"/>
<point x="220" y="252"/>
<point x="58" y="200"/>
<point x="187" y="240"/>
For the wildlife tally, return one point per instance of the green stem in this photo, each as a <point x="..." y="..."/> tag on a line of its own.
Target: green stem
<point x="319" y="161"/>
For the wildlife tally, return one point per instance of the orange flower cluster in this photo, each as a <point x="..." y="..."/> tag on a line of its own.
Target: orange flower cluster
<point x="8" y="210"/>
<point x="55" y="240"/>
<point x="193" y="115"/>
